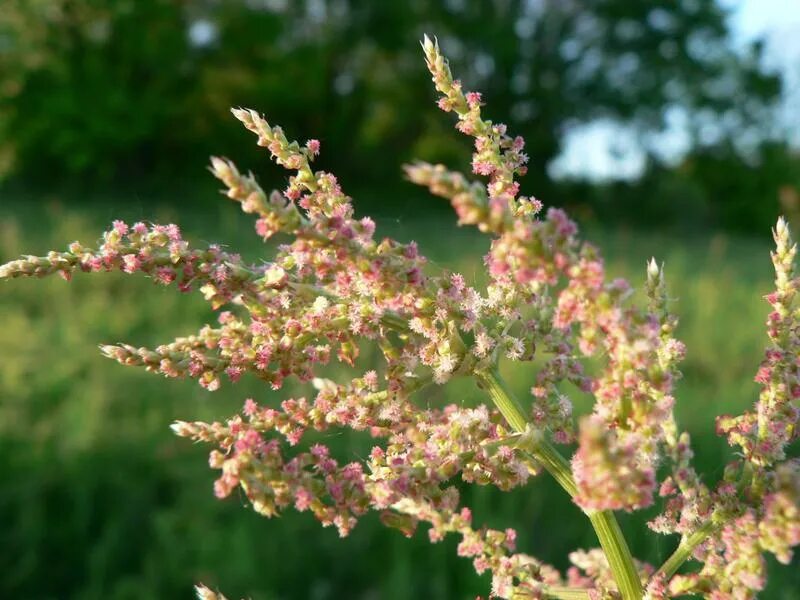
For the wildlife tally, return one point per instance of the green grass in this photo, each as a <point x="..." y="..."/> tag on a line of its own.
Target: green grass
<point x="100" y="500"/>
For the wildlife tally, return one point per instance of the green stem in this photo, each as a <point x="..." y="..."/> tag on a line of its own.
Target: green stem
<point x="566" y="593"/>
<point x="604" y="523"/>
<point x="618" y="554"/>
<point x="685" y="549"/>
<point x="394" y="321"/>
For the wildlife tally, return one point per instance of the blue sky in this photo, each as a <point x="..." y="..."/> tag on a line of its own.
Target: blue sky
<point x="604" y="150"/>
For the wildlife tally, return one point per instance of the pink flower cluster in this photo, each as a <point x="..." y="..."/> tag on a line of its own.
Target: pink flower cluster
<point x="406" y="481"/>
<point x="333" y="287"/>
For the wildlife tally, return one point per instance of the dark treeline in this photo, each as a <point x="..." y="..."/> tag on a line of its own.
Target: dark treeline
<point x="102" y="94"/>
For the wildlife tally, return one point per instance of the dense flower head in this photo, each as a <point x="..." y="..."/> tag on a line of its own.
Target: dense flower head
<point x="764" y="434"/>
<point x="333" y="287"/>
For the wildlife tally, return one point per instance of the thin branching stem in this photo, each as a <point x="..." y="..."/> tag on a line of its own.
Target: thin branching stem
<point x="685" y="549"/>
<point x="605" y="524"/>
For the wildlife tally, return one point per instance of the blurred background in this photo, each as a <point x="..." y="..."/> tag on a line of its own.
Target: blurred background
<point x="666" y="127"/>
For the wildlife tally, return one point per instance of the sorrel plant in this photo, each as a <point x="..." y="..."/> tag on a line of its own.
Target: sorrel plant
<point x="333" y="287"/>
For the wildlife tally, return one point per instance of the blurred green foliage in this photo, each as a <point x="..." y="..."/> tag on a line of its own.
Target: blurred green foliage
<point x="100" y="500"/>
<point x="111" y="94"/>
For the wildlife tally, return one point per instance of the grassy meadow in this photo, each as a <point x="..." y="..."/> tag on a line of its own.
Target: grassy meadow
<point x="99" y="499"/>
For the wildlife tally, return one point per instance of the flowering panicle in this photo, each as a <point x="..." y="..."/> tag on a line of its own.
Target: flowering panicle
<point x="276" y="212"/>
<point x="333" y="287"/>
<point x="756" y="508"/>
<point x="497" y="155"/>
<point x="764" y="434"/>
<point x="689" y="502"/>
<point x="633" y="409"/>
<point x="529" y="260"/>
<point x="779" y="529"/>
<point x="157" y="251"/>
<point x="405" y="481"/>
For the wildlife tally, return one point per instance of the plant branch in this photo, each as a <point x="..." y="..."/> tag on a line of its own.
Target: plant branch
<point x="685" y="549"/>
<point x="544" y="452"/>
<point x="618" y="554"/>
<point x="566" y="593"/>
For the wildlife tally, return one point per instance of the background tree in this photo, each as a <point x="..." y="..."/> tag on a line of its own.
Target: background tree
<point x="95" y="90"/>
